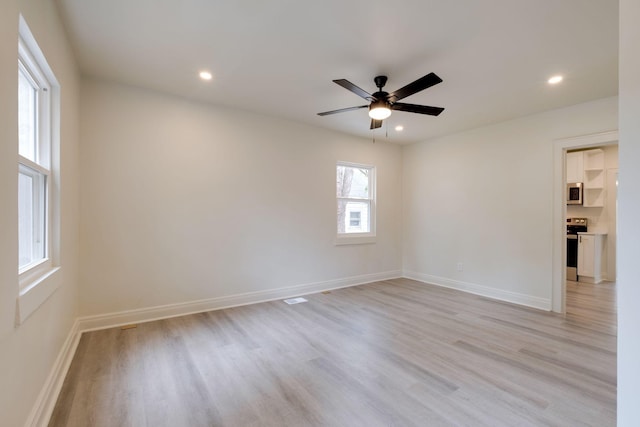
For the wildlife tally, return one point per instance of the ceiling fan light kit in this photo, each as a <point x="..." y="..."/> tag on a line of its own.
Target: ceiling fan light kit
<point x="379" y="110"/>
<point x="382" y="103"/>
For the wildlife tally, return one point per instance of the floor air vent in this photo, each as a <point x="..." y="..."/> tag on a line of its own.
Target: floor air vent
<point x="295" y="300"/>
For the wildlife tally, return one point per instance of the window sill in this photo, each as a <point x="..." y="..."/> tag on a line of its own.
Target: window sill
<point x="34" y="293"/>
<point x="353" y="239"/>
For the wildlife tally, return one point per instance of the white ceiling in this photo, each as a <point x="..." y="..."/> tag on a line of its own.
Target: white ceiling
<point x="278" y="57"/>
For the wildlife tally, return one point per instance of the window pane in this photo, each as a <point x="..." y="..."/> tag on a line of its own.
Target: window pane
<point x="25" y="219"/>
<point x="353" y="217"/>
<point x="26" y="117"/>
<point x="31" y="216"/>
<point x="352" y="182"/>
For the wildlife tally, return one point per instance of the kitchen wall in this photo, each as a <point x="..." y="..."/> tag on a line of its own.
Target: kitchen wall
<point x="604" y="218"/>
<point x="483" y="199"/>
<point x="184" y="201"/>
<point x="28" y="351"/>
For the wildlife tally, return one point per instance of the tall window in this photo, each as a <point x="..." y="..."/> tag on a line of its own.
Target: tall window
<point x="34" y="168"/>
<point x="38" y="165"/>
<point x="355" y="193"/>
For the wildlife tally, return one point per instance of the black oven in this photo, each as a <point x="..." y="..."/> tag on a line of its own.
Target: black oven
<point x="574" y="226"/>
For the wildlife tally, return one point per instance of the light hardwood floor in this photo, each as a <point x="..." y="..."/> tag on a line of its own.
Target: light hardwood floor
<point x="392" y="353"/>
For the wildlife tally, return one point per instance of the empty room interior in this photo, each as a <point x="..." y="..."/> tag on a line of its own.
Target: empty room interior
<point x="338" y="213"/>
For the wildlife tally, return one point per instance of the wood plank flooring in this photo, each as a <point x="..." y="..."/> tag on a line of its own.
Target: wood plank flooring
<point x="392" y="353"/>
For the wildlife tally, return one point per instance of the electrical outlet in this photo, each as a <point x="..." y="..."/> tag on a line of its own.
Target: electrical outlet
<point x="460" y="266"/>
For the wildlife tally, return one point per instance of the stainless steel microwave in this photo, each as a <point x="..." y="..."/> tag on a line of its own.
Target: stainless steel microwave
<point x="574" y="193"/>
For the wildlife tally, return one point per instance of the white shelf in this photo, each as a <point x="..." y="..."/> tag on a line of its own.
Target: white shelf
<point x="593" y="159"/>
<point x="593" y="197"/>
<point x="593" y="191"/>
<point x="594" y="179"/>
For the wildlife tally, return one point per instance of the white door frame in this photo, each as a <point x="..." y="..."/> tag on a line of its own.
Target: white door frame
<point x="559" y="245"/>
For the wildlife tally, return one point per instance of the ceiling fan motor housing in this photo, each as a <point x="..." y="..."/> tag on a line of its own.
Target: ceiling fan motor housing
<point x="380" y="81"/>
<point x="380" y="109"/>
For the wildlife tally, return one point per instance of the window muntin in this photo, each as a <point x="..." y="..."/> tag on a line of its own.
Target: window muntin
<point x="355" y="185"/>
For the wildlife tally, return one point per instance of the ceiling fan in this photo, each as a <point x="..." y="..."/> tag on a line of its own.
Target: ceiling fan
<point x="382" y="102"/>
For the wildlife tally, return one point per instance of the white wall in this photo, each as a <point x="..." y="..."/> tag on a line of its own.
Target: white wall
<point x="27" y="352"/>
<point x="484" y="198"/>
<point x="629" y="212"/>
<point x="183" y="201"/>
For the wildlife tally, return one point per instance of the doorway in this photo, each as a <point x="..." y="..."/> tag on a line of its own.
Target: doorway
<point x="558" y="299"/>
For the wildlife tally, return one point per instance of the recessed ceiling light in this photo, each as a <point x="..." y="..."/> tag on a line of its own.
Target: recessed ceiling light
<point x="399" y="128"/>
<point x="555" y="80"/>
<point x="205" y="75"/>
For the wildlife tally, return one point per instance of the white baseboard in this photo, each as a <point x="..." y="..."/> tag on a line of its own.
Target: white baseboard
<point x="485" y="291"/>
<point x="110" y="320"/>
<point x="46" y="401"/>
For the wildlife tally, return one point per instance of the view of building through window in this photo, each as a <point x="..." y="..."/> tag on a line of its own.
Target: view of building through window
<point x="354" y="218"/>
<point x="354" y="195"/>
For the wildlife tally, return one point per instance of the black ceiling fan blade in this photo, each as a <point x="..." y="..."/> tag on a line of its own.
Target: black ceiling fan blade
<point x="422" y="83"/>
<point x="342" y="110"/>
<point x="375" y="124"/>
<point x="420" y="109"/>
<point x="355" y="89"/>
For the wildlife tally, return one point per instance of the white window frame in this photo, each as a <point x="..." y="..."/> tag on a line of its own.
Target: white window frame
<point x="35" y="280"/>
<point x="351" y="238"/>
<point x="38" y="168"/>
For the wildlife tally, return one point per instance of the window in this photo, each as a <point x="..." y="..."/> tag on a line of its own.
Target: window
<point x="355" y="193"/>
<point x="34" y="168"/>
<point x="38" y="140"/>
